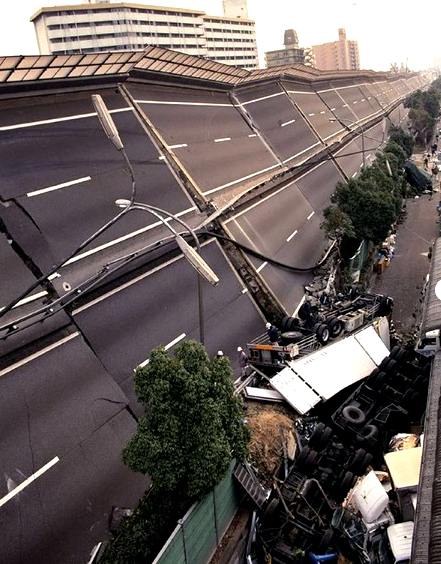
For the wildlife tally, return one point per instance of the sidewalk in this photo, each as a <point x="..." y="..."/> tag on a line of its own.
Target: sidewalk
<point x="404" y="278"/>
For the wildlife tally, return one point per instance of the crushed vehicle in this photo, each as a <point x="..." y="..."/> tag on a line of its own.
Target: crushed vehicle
<point x="317" y="324"/>
<point x="309" y="516"/>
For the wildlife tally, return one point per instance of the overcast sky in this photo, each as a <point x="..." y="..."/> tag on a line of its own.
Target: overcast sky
<point x="387" y="30"/>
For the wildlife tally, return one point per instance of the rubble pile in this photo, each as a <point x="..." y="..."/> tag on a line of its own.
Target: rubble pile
<point x="272" y="439"/>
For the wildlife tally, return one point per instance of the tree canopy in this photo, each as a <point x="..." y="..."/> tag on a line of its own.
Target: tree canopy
<point x="365" y="207"/>
<point x="193" y="423"/>
<point x="424" y="110"/>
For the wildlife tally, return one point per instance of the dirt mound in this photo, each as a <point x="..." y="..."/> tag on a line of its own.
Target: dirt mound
<point x="272" y="437"/>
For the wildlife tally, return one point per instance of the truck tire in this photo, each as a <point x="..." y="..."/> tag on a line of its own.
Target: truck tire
<point x="336" y="327"/>
<point x="306" y="458"/>
<point x="293" y="324"/>
<point x="360" y="462"/>
<point x="379" y="379"/>
<point x="316" y="436"/>
<point x="284" y="322"/>
<point x="347" y="482"/>
<point x="353" y="414"/>
<point x="368" y="433"/>
<point x="320" y="436"/>
<point x="386" y="305"/>
<point x="322" y="333"/>
<point x="357" y="459"/>
<point x="397" y="353"/>
<point x="388" y="365"/>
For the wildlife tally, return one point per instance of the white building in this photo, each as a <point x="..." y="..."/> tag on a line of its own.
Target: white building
<point x="105" y="26"/>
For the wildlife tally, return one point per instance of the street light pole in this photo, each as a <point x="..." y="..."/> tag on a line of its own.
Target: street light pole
<point x="194" y="258"/>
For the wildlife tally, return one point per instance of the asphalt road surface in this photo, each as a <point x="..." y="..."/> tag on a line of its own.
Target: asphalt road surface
<point x="206" y="131"/>
<point x="62" y="406"/>
<point x="286" y="226"/>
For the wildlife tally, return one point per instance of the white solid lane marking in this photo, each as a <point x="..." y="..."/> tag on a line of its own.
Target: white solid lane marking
<point x="123" y="238"/>
<point x="178" y="146"/>
<point x="228" y="184"/>
<point x="293" y="234"/>
<point x="287" y="122"/>
<point x="37" y="354"/>
<point x="164" y="103"/>
<point x="310" y="215"/>
<point x="311" y="114"/>
<point x="58" y="120"/>
<point x="58" y="186"/>
<point x="167" y="347"/>
<point x="252" y="135"/>
<point x="28" y="481"/>
<point x="299" y="92"/>
<point x="261" y="267"/>
<point x="175" y="341"/>
<point x="354" y="175"/>
<point x="222" y="139"/>
<point x="262" y="98"/>
<point x="28" y="300"/>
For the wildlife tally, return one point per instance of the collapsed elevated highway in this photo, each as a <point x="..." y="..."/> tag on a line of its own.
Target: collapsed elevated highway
<point x="256" y="154"/>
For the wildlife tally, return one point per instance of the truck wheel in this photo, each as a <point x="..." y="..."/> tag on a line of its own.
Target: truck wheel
<point x="336" y="327"/>
<point x="386" y="305"/>
<point x="368" y="433"/>
<point x="306" y="458"/>
<point x="357" y="459"/>
<point x="353" y="414"/>
<point x="322" y="334"/>
<point x="293" y="324"/>
<point x="316" y="437"/>
<point x="388" y="365"/>
<point x="347" y="482"/>
<point x="284" y="322"/>
<point x="379" y="378"/>
<point x="320" y="436"/>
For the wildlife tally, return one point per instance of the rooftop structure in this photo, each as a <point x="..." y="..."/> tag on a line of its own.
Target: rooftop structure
<point x="291" y="54"/>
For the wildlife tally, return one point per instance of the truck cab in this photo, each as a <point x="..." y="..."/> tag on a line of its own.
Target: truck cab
<point x="429" y="343"/>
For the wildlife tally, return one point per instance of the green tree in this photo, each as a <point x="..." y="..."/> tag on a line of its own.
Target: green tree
<point x="337" y="224"/>
<point x="403" y="139"/>
<point x="422" y="123"/>
<point x="193" y="423"/>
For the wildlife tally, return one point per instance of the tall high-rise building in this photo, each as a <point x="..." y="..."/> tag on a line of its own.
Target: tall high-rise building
<point x="119" y="26"/>
<point x="290" y="55"/>
<point x="338" y="55"/>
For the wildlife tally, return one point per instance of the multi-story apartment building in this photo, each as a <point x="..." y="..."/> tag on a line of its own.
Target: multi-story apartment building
<point x="105" y="26"/>
<point x="338" y="55"/>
